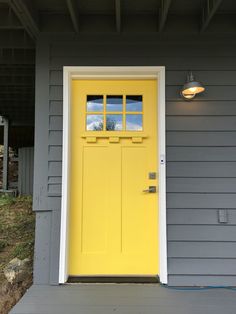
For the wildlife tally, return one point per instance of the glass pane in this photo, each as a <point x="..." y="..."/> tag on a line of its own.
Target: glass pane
<point x="134" y="122"/>
<point x="114" y="122"/>
<point x="94" y="122"/>
<point x="114" y="103"/>
<point x="134" y="103"/>
<point x="95" y="103"/>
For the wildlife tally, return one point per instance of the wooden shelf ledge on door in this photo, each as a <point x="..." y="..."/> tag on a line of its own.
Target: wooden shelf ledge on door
<point x="135" y="136"/>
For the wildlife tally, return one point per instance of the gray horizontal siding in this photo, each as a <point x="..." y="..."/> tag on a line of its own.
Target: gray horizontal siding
<point x="55" y="122"/>
<point x="201" y="145"/>
<point x="55" y="137"/>
<point x="54" y="189"/>
<point x="201" y="180"/>
<point x="56" y="107"/>
<point x="201" y="185"/>
<point x="173" y="63"/>
<point x="190" y="169"/>
<point x="193" y="138"/>
<point x="201" y="108"/>
<point x="215" y="233"/>
<point x="54" y="180"/>
<point x="55" y="92"/>
<point x="196" y="216"/>
<point x="201" y="154"/>
<point x="54" y="168"/>
<point x="216" y="78"/>
<point x="205" y="266"/>
<point x="55" y="153"/>
<point x="201" y="200"/>
<point x="208" y="123"/>
<point x="202" y="250"/>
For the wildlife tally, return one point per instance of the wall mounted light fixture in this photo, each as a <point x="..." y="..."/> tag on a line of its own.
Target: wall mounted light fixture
<point x="191" y="87"/>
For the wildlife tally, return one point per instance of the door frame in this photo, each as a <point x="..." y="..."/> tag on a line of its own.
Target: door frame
<point x="112" y="72"/>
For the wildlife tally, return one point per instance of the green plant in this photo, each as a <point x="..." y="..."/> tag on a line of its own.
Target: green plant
<point x="6" y="199"/>
<point x="3" y="244"/>
<point x="24" y="250"/>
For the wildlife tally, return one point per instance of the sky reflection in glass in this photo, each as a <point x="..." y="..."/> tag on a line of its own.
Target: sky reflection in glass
<point x="134" y="103"/>
<point x="95" y="103"/>
<point x="114" y="103"/>
<point x="94" y="122"/>
<point x="114" y="122"/>
<point x="134" y="122"/>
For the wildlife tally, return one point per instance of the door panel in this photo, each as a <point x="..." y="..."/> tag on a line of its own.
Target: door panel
<point x="133" y="202"/>
<point x="95" y="186"/>
<point x="113" y="223"/>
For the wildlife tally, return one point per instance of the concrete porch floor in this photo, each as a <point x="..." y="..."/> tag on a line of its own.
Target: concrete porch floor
<point x="124" y="298"/>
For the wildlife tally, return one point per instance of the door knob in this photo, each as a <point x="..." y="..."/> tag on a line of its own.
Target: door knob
<point x="151" y="189"/>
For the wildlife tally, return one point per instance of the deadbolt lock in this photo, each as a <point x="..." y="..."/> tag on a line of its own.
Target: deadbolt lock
<point x="152" y="176"/>
<point x="151" y="189"/>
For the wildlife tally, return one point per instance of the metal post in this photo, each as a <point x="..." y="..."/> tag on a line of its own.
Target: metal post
<point x="5" y="154"/>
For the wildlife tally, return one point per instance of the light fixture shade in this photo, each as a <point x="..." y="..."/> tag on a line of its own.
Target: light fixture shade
<point x="191" y="87"/>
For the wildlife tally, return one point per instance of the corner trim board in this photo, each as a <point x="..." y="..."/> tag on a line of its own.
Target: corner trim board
<point x="157" y="72"/>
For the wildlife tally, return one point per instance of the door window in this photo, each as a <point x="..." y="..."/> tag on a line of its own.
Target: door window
<point x="114" y="113"/>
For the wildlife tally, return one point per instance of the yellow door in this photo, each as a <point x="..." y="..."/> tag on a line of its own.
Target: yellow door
<point x="113" y="228"/>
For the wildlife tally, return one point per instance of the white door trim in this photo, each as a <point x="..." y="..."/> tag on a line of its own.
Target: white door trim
<point x="109" y="73"/>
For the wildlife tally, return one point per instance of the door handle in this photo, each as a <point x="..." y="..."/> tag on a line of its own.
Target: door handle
<point x="151" y="189"/>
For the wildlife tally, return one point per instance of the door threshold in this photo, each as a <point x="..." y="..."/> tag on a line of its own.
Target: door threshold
<point x="110" y="279"/>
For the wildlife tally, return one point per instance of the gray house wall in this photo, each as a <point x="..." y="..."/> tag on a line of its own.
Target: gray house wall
<point x="201" y="148"/>
<point x="26" y="170"/>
